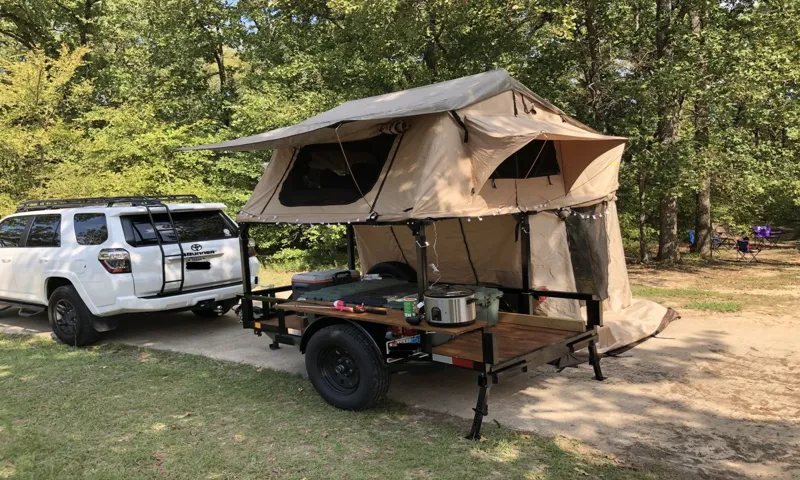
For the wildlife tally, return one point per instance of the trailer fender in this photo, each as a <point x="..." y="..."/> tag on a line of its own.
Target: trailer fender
<point x="321" y="323"/>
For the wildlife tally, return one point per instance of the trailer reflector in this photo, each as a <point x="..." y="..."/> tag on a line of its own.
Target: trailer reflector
<point x="459" y="362"/>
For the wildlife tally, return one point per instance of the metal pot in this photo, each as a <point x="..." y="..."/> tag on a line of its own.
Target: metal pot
<point x="450" y="306"/>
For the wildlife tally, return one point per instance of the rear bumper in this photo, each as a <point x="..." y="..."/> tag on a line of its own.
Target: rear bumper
<point x="133" y="304"/>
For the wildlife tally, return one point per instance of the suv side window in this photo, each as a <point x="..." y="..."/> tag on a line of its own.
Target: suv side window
<point x="45" y="231"/>
<point x="11" y="231"/>
<point x="90" y="228"/>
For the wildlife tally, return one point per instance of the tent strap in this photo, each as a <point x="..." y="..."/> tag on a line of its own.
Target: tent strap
<point x="514" y="97"/>
<point x="469" y="255"/>
<point x="295" y="153"/>
<point x="460" y="124"/>
<point x="391" y="229"/>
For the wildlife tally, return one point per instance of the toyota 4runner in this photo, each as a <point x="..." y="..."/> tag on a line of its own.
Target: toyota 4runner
<point x="88" y="260"/>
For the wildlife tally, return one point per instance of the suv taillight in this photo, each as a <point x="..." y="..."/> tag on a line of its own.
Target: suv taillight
<point x="251" y="248"/>
<point x="115" y="260"/>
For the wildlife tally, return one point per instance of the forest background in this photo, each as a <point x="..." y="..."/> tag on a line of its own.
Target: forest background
<point x="95" y="95"/>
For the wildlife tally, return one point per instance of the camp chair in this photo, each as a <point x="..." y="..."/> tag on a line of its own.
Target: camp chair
<point x="692" y="238"/>
<point x="761" y="234"/>
<point x="721" y="239"/>
<point x="745" y="252"/>
<point x="773" y="238"/>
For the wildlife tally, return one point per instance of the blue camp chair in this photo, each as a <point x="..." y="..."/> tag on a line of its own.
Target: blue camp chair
<point x="745" y="251"/>
<point x="692" y="238"/>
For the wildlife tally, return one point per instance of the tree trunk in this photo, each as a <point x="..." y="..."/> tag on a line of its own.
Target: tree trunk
<point x="668" y="230"/>
<point x="669" y="105"/>
<point x="643" y="255"/>
<point x="703" y="215"/>
<point x="219" y="57"/>
<point x="593" y="71"/>
<point x="703" y="220"/>
<point x="430" y="56"/>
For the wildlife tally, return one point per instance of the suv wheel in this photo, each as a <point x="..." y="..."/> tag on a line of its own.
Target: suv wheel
<point x="70" y="319"/>
<point x="345" y="368"/>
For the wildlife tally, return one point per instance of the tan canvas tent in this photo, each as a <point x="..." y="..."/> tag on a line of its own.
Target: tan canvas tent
<point x="488" y="160"/>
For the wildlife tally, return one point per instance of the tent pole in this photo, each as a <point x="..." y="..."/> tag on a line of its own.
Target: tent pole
<point x="422" y="258"/>
<point x="351" y="249"/>
<point x="247" y="288"/>
<point x="525" y="239"/>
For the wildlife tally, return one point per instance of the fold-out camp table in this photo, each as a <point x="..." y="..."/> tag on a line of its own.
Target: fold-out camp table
<point x="515" y="344"/>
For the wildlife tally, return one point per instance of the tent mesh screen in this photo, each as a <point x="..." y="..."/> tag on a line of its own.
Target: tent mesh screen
<point x="588" y="249"/>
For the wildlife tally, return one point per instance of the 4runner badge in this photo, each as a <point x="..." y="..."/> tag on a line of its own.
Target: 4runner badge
<point x="197" y="251"/>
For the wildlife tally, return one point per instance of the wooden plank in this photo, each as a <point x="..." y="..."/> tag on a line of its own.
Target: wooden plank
<point x="539" y="321"/>
<point x="394" y="318"/>
<point x="513" y="340"/>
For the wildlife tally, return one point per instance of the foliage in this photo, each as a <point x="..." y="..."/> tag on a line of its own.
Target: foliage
<point x="705" y="91"/>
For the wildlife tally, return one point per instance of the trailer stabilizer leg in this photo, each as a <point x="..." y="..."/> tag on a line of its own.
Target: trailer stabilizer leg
<point x="274" y="345"/>
<point x="594" y="359"/>
<point x="481" y="408"/>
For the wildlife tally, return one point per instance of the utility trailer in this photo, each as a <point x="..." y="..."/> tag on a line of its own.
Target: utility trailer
<point x="516" y="195"/>
<point x="350" y="356"/>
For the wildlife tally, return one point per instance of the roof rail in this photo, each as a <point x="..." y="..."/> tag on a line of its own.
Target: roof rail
<point x="139" y="200"/>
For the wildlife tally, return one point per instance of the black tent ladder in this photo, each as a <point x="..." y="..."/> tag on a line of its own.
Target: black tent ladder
<point x="160" y="241"/>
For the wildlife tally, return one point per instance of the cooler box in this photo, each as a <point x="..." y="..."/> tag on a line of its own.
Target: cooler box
<point x="488" y="303"/>
<point x="310" y="281"/>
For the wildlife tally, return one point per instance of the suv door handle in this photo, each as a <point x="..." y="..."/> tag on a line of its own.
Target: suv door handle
<point x="44" y="260"/>
<point x="6" y="260"/>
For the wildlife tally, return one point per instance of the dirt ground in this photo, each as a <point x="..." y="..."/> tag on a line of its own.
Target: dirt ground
<point x="717" y="394"/>
<point x="741" y="367"/>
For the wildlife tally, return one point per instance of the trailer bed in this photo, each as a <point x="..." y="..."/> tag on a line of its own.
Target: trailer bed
<point x="512" y="341"/>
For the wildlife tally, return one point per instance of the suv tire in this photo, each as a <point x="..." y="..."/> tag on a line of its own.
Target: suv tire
<point x="69" y="317"/>
<point x="345" y="367"/>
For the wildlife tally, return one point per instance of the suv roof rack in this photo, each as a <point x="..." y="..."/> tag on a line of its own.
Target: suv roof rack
<point x="134" y="201"/>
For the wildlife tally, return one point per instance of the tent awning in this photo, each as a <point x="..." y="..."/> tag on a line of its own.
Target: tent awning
<point x="439" y="97"/>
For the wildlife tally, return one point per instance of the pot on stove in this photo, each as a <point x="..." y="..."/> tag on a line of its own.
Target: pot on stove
<point x="450" y="306"/>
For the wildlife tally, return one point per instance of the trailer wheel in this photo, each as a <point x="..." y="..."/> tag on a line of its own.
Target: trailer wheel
<point x="345" y="368"/>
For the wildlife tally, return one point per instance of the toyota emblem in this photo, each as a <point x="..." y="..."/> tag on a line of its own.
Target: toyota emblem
<point x="197" y="247"/>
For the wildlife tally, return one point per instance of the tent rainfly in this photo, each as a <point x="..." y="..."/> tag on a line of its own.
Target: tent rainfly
<point x="476" y="154"/>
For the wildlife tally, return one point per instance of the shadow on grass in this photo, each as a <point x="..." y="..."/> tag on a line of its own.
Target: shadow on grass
<point x="155" y="413"/>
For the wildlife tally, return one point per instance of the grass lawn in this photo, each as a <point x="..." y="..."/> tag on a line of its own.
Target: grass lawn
<point x="112" y="411"/>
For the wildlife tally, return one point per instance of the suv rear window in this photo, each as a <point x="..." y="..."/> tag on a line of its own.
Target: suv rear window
<point x="191" y="227"/>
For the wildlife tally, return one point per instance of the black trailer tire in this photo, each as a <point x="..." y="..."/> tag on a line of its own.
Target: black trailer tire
<point x="70" y="318"/>
<point x="398" y="270"/>
<point x="345" y="367"/>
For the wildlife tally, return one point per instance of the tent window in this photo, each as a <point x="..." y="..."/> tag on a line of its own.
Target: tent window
<point x="520" y="162"/>
<point x="319" y="175"/>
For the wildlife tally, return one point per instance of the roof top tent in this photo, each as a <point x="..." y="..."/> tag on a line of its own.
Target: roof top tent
<point x="513" y="192"/>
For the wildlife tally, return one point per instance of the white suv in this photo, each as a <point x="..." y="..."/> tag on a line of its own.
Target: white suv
<point x="87" y="260"/>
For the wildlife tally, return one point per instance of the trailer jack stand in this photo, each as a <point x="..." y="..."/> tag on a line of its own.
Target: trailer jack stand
<point x="481" y="408"/>
<point x="274" y="345"/>
<point x="594" y="359"/>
